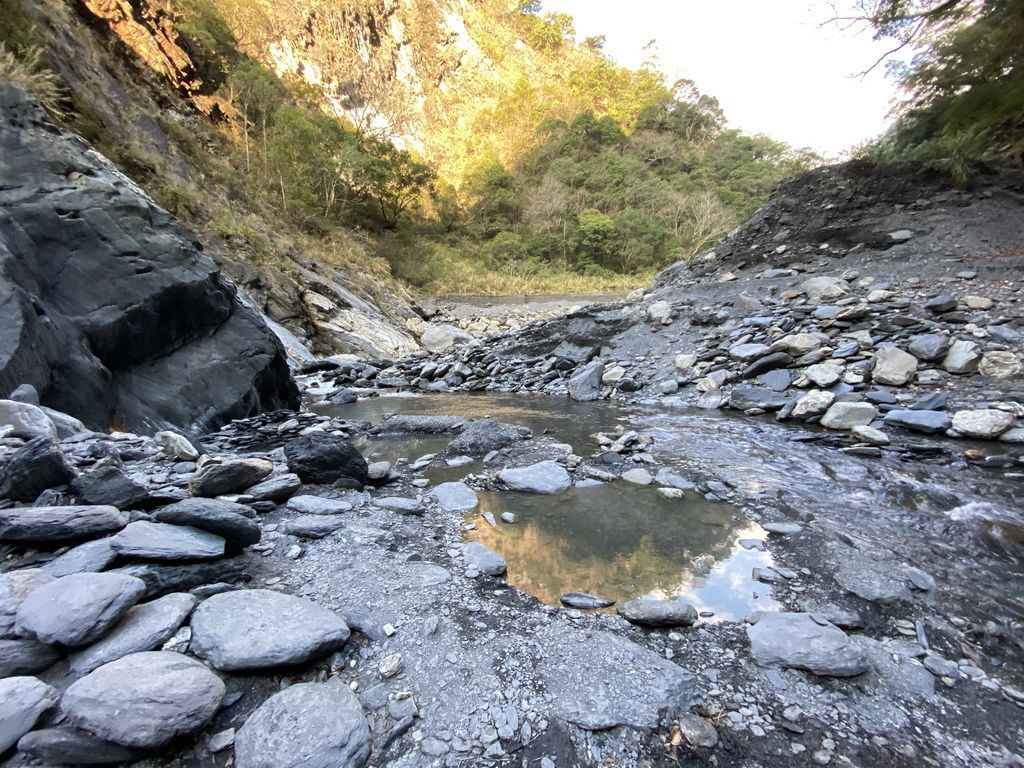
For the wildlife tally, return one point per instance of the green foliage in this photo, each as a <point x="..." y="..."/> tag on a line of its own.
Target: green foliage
<point x="207" y="39"/>
<point x="965" y="86"/>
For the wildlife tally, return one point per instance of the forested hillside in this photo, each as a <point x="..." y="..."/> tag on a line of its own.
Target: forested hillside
<point x="461" y="146"/>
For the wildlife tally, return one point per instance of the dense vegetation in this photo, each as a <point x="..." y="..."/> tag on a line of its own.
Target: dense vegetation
<point x="963" y="88"/>
<point x="589" y="177"/>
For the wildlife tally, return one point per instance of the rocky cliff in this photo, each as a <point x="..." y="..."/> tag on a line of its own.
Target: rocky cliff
<point x="109" y="306"/>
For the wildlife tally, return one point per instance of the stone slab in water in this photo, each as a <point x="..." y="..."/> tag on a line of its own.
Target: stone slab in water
<point x="482" y="559"/>
<point x="22" y="701"/>
<point x="261" y="629"/>
<point x="455" y="497"/>
<point x="77" y="610"/>
<point x="144" y="700"/>
<point x="59" y="524"/>
<point x="546" y="477"/>
<point x="143" y="628"/>
<point x="482" y="436"/>
<point x="162" y="541"/>
<point x="658" y="613"/>
<point x="798" y="641"/>
<point x="325" y="727"/>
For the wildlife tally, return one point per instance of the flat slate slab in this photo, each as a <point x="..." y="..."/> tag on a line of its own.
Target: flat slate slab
<point x="90" y="557"/>
<point x="143" y="628"/>
<point x="318" y="505"/>
<point x="232" y="522"/>
<point x="78" y="609"/>
<point x="314" y="526"/>
<point x="455" y="497"/>
<point x="231" y="476"/>
<point x="325" y="727"/>
<point x="144" y="700"/>
<point x="162" y="541"/>
<point x="262" y="629"/>
<point x="15" y="586"/>
<point x="800" y="641"/>
<point x="59" y="524"/>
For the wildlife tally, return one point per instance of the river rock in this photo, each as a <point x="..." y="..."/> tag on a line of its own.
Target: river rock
<point x="746" y="396"/>
<point x="230" y="476"/>
<point x="25" y="657"/>
<point x="814" y="403"/>
<point x="144" y="700"/>
<point x="441" y="338"/>
<point x="749" y="352"/>
<point x="585" y="384"/>
<point x="480" y="558"/>
<point x="59" y="524"/>
<point x="824" y="288"/>
<point x="660" y="312"/>
<point x="277" y="489"/>
<point x="985" y="424"/>
<point x="324" y="459"/>
<point x="928" y="422"/>
<point x="77" y="610"/>
<point x="962" y="357"/>
<point x="999" y="365"/>
<point x="658" y="613"/>
<point x="26" y="420"/>
<point x="544" y="477"/>
<point x="260" y="629"/>
<point x="15" y="586"/>
<point x="70" y="746"/>
<point x="823" y="374"/>
<point x="36" y="466"/>
<point x="893" y="366"/>
<point x="482" y="436"/>
<point x="455" y="497"/>
<point x="314" y="526"/>
<point x="584" y="601"/>
<point x="870" y="435"/>
<point x="848" y="415"/>
<point x="798" y="641"/>
<point x="318" y="505"/>
<point x="22" y="701"/>
<point x="684" y="361"/>
<point x="326" y="728"/>
<point x="106" y="484"/>
<point x="162" y="541"/>
<point x="637" y="476"/>
<point x="232" y="522"/>
<point x="766" y="364"/>
<point x="90" y="557"/>
<point x="143" y="628"/>
<point x="928" y="346"/>
<point x="400" y="504"/>
<point x="176" y="446"/>
<point x="162" y="578"/>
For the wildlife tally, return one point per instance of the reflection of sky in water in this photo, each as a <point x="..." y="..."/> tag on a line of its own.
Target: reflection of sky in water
<point x="622" y="541"/>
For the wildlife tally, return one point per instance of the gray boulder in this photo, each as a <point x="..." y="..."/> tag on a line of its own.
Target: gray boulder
<point x="893" y="366"/>
<point x="848" y="415"/>
<point x="441" y="338"/>
<point x="108" y="485"/>
<point x="585" y="384"/>
<point x="318" y="505"/>
<point x="162" y="578"/>
<point x="108" y="306"/>
<point x="15" y="586"/>
<point x="314" y="526"/>
<point x="745" y="397"/>
<point x="658" y="613"/>
<point x="547" y="477"/>
<point x="326" y="729"/>
<point x="486" y="561"/>
<point x="260" y="629"/>
<point x="799" y="641"/>
<point x="26" y="420"/>
<point x="277" y="489"/>
<point x="455" y="497"/>
<point x="25" y="657"/>
<point x="36" y="466"/>
<point x="77" y="610"/>
<point x="482" y="436"/>
<point x="143" y="628"/>
<point x="22" y="701"/>
<point x="144" y="700"/>
<point x="162" y="541"/>
<point x="232" y="522"/>
<point x="984" y="424"/>
<point x="70" y="746"/>
<point x="325" y="459"/>
<point x="59" y="524"/>
<point x="90" y="557"/>
<point x="962" y="357"/>
<point x="230" y="476"/>
<point x="824" y="288"/>
<point x="928" y="346"/>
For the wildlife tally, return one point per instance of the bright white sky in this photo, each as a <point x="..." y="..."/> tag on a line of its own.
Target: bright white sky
<point x="769" y="63"/>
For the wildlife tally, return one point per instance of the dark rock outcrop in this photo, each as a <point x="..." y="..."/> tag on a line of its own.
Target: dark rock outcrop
<point x="108" y="306"/>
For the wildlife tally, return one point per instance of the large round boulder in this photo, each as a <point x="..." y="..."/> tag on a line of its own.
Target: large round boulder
<point x="324" y="459"/>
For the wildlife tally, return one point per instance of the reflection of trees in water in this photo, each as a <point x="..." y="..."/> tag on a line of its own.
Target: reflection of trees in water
<point x="615" y="542"/>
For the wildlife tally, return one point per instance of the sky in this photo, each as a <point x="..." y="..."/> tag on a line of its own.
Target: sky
<point x="770" y="63"/>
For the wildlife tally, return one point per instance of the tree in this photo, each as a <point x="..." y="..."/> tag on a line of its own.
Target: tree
<point x="392" y="178"/>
